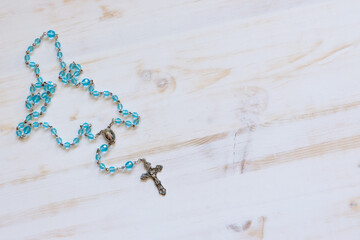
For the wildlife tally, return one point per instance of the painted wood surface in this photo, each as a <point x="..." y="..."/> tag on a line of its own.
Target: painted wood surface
<point x="251" y="106"/>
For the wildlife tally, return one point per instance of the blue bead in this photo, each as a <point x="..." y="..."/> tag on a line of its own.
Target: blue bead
<point x="32" y="64"/>
<point x="136" y="122"/>
<point x="91" y="88"/>
<point x="40" y="80"/>
<point x="61" y="74"/>
<point x="129" y="164"/>
<point x="111" y="169"/>
<point x="45" y="125"/>
<point x="67" y="145"/>
<point x="96" y="93"/>
<point x="68" y="75"/>
<point x="78" y="67"/>
<point x="27" y="130"/>
<point x="43" y="109"/>
<point x="128" y="123"/>
<point x="125" y="112"/>
<point x="74" y="81"/>
<point x="21" y="125"/>
<point x="37" y="41"/>
<point x="76" y="140"/>
<point x="106" y="93"/>
<point x="102" y="166"/>
<point x="81" y="131"/>
<point x="120" y="107"/>
<point x="59" y="55"/>
<point x="98" y="157"/>
<point x="30" y="48"/>
<point x="104" y="148"/>
<point x="38" y="85"/>
<point x="85" y="82"/>
<point x="29" y="98"/>
<point x="86" y="125"/>
<point x="53" y="131"/>
<point x="117" y="120"/>
<point x="19" y="133"/>
<point x="27" y="58"/>
<point x="28" y="105"/>
<point x="91" y="136"/>
<point x="135" y="115"/>
<point x="72" y="66"/>
<point x="51" y="34"/>
<point x="36" y="98"/>
<point x="57" y="44"/>
<point x="35" y="124"/>
<point x="115" y="98"/>
<point x="37" y="70"/>
<point x="64" y="80"/>
<point x="48" y="100"/>
<point x="63" y="64"/>
<point x="59" y="140"/>
<point x="77" y="73"/>
<point x="44" y="95"/>
<point x="28" y="118"/>
<point x="35" y="114"/>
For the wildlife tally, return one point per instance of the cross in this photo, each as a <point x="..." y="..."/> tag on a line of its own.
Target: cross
<point x="151" y="173"/>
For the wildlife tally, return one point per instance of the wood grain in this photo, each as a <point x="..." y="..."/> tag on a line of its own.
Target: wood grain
<point x="251" y="106"/>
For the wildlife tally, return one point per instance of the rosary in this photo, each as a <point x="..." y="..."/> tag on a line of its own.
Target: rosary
<point x="42" y="91"/>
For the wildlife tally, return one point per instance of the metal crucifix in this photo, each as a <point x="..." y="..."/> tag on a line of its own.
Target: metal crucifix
<point x="151" y="173"/>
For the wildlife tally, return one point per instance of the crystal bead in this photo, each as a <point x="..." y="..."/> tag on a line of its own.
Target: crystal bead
<point x="45" y="125"/>
<point x="35" y="114"/>
<point x="78" y="67"/>
<point x="117" y="120"/>
<point x="77" y="73"/>
<point x="96" y="93"/>
<point x="27" y="130"/>
<point x="129" y="164"/>
<point x="104" y="147"/>
<point x="102" y="166"/>
<point x="135" y="115"/>
<point x="28" y="117"/>
<point x="36" y="98"/>
<point x="115" y="98"/>
<point x="90" y="136"/>
<point x="53" y="131"/>
<point x="32" y="64"/>
<point x="61" y="74"/>
<point x="19" y="133"/>
<point x="37" y="70"/>
<point x="136" y="122"/>
<point x="59" y="140"/>
<point x="21" y="125"/>
<point x="28" y="105"/>
<point x="27" y="58"/>
<point x="30" y="49"/>
<point x="112" y="169"/>
<point x="35" y="124"/>
<point x="74" y="81"/>
<point x="106" y="93"/>
<point x="98" y="157"/>
<point x="120" y="107"/>
<point x="37" y="41"/>
<point x="76" y="140"/>
<point x="128" y="123"/>
<point x="40" y="80"/>
<point x="64" y="80"/>
<point x="68" y="75"/>
<point x="85" y="82"/>
<point x="29" y="98"/>
<point x="91" y="88"/>
<point x="67" y="145"/>
<point x="59" y="54"/>
<point x="38" y="85"/>
<point x="57" y="44"/>
<point x="48" y="100"/>
<point x="63" y="64"/>
<point x="43" y="109"/>
<point x="81" y="131"/>
<point x="51" y="34"/>
<point x="125" y="112"/>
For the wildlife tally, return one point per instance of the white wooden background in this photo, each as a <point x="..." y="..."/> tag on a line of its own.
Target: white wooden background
<point x="251" y="106"/>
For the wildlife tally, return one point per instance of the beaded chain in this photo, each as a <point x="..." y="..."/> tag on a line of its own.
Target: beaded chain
<point x="42" y="92"/>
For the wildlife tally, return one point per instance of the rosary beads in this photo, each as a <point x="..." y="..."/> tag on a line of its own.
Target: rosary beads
<point x="41" y="93"/>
